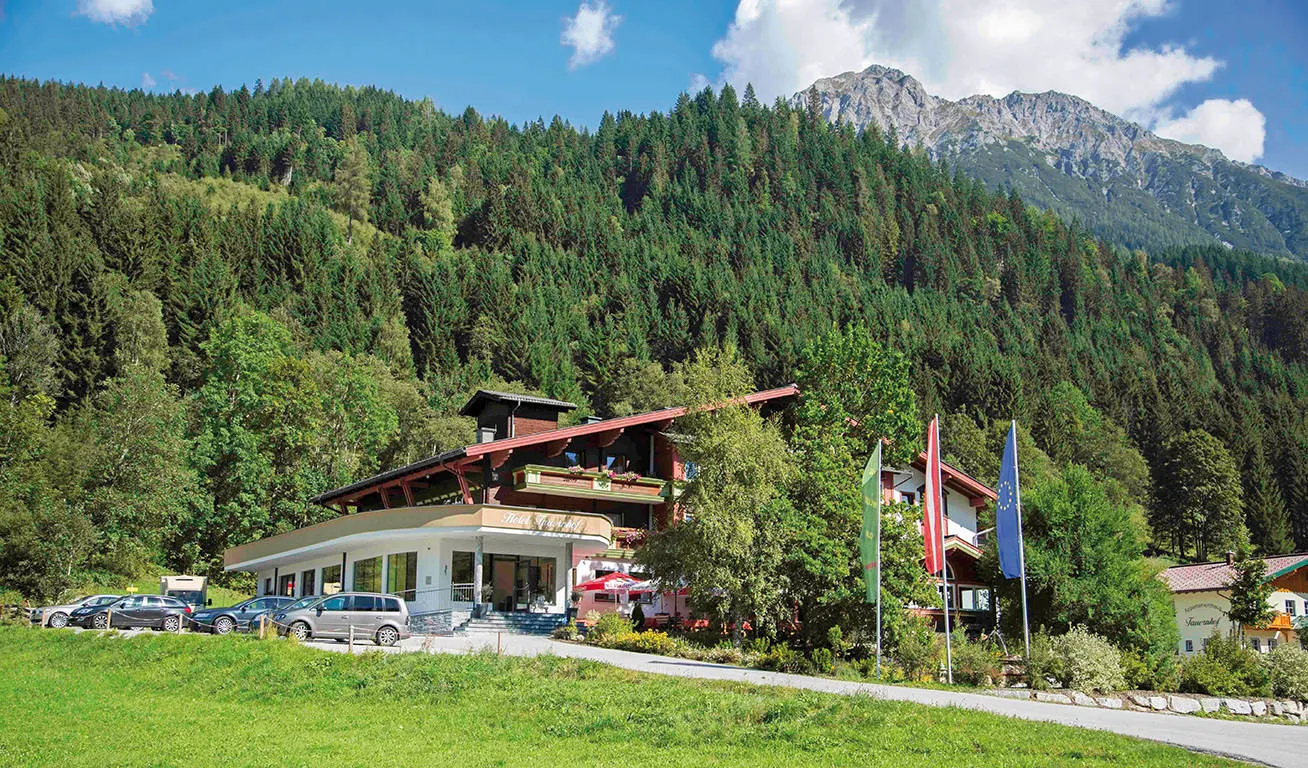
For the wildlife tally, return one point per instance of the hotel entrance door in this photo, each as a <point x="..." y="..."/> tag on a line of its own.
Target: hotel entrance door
<point x="521" y="583"/>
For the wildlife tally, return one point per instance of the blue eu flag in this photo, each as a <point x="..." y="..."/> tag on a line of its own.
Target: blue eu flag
<point x="1008" y="511"/>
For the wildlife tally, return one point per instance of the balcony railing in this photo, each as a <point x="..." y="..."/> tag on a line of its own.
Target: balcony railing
<point x="613" y="486"/>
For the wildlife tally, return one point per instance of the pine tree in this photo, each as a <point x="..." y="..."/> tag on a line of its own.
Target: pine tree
<point x="353" y="177"/>
<point x="1265" y="510"/>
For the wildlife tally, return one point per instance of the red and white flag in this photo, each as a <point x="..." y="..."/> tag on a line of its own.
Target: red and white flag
<point x="933" y="519"/>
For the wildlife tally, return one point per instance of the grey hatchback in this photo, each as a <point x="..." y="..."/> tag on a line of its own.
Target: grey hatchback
<point x="384" y="619"/>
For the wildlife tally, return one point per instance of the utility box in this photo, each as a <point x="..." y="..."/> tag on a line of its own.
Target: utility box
<point x="192" y="590"/>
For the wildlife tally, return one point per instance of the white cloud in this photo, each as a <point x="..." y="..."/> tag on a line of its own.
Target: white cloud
<point x="1235" y="127"/>
<point x="126" y="12"/>
<point x="961" y="47"/>
<point x="148" y="82"/>
<point x="590" y="33"/>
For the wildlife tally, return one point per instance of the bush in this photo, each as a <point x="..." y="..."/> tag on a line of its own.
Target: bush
<point x="568" y="631"/>
<point x="1225" y="668"/>
<point x="824" y="661"/>
<point x="1088" y="662"/>
<point x="783" y="658"/>
<point x="1287" y="665"/>
<point x="975" y="662"/>
<point x="1145" y="672"/>
<point x="646" y="642"/>
<point x="757" y="645"/>
<point x="916" y="650"/>
<point x="638" y="617"/>
<point x="1044" y="664"/>
<point x="607" y="628"/>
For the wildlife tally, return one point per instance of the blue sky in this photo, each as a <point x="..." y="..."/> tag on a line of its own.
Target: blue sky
<point x="1231" y="75"/>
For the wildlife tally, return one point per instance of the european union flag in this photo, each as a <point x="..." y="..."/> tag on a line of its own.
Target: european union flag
<point x="1008" y="511"/>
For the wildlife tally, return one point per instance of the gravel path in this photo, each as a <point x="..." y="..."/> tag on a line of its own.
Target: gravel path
<point x="1269" y="744"/>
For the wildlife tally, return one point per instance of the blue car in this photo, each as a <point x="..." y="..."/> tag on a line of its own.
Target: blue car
<point x="243" y="616"/>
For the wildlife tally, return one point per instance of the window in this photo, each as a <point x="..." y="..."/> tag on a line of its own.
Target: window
<point x="691" y="470"/>
<point x="306" y="583"/>
<point x="908" y="497"/>
<point x="1289" y="607"/>
<point x="367" y="575"/>
<point x="331" y="579"/>
<point x="402" y="575"/>
<point x="1189" y="646"/>
<point x="286" y="585"/>
<point x="1256" y="643"/>
<point x="392" y="605"/>
<point x="363" y="603"/>
<point x="461" y="568"/>
<point x="1271" y="643"/>
<point x="974" y="598"/>
<point x="150" y="601"/>
<point x="573" y="458"/>
<point x="334" y="603"/>
<point x="267" y="586"/>
<point x="605" y="597"/>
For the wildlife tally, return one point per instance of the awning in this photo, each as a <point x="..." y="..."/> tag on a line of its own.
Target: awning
<point x="612" y="582"/>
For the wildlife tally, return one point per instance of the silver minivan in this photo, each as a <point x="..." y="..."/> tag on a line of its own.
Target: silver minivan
<point x="384" y="619"/>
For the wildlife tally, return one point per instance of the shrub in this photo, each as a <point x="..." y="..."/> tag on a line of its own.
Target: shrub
<point x="607" y="628"/>
<point x="783" y="658"/>
<point x="568" y="631"/>
<point x="915" y="649"/>
<point x="836" y="640"/>
<point x="1088" y="662"/>
<point x="1044" y="664"/>
<point x="975" y="662"/>
<point x="646" y="642"/>
<point x="757" y="646"/>
<point x="1146" y="672"/>
<point x="823" y="661"/>
<point x="1287" y="665"/>
<point x="1225" y="668"/>
<point x="724" y="653"/>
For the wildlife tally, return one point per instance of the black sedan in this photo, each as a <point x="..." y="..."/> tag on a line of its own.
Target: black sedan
<point x="133" y="612"/>
<point x="242" y="616"/>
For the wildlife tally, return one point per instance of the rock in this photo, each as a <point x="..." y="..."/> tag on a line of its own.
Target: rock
<point x="1158" y="702"/>
<point x="1238" y="706"/>
<point x="1259" y="708"/>
<point x="1276" y="708"/>
<point x="1292" y="707"/>
<point x="1110" y="702"/>
<point x="1183" y="705"/>
<point x="1052" y="698"/>
<point x="1009" y="693"/>
<point x="1210" y="704"/>
<point x="1140" y="700"/>
<point x="1082" y="699"/>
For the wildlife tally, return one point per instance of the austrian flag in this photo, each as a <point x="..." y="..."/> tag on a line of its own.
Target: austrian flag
<point x="933" y="519"/>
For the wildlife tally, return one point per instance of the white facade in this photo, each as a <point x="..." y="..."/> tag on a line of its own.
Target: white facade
<point x="1200" y="614"/>
<point x="907" y="486"/>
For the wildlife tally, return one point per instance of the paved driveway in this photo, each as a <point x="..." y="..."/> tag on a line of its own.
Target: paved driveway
<point x="1277" y="745"/>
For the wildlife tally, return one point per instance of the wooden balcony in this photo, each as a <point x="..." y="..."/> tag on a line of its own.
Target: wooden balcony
<point x="562" y="481"/>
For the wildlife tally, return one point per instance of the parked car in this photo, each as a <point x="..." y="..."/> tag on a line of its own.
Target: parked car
<point x="236" y="618"/>
<point x="56" y="616"/>
<point x="133" y="611"/>
<point x="384" y="619"/>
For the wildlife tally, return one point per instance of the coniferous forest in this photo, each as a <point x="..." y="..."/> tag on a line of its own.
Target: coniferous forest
<point x="213" y="306"/>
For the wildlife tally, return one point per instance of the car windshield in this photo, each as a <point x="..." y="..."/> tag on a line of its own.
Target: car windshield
<point x="102" y="600"/>
<point x="187" y="595"/>
<point x="303" y="602"/>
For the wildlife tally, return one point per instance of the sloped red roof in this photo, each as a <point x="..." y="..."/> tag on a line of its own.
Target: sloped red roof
<point x="958" y="479"/>
<point x="1203" y="577"/>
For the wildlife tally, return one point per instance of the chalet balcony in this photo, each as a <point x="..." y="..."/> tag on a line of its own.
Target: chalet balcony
<point x="575" y="482"/>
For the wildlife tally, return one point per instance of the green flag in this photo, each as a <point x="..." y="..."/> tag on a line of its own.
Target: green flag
<point x="869" y="541"/>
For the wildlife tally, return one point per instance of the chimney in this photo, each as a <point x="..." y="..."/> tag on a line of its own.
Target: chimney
<point x="485" y="434"/>
<point x="1230" y="557"/>
<point x="591" y="419"/>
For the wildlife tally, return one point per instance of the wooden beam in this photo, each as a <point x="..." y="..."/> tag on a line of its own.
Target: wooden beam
<point x="555" y="447"/>
<point x="385" y="493"/>
<point x="345" y="510"/>
<point x="498" y="458"/>
<point x="459" y="474"/>
<point x="659" y="426"/>
<point x="608" y="437"/>
<point x="408" y="494"/>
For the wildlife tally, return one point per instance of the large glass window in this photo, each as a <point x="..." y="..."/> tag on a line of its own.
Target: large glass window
<point x="461" y="568"/>
<point x="307" y="586"/>
<point x="331" y="579"/>
<point x="368" y="575"/>
<point x="402" y="575"/>
<point x="286" y="585"/>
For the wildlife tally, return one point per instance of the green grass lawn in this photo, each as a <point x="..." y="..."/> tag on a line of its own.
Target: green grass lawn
<point x="152" y="699"/>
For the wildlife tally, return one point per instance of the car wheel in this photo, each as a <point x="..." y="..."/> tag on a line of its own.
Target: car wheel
<point x="300" y="631"/>
<point x="101" y="621"/>
<point x="386" y="636"/>
<point x="171" y="623"/>
<point x="57" y="621"/>
<point x="224" y="625"/>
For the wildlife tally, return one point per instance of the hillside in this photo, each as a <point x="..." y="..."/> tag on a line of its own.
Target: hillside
<point x="199" y="331"/>
<point x="1063" y="153"/>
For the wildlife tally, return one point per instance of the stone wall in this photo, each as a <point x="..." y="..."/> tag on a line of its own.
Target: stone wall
<point x="1175" y="703"/>
<point x="435" y="623"/>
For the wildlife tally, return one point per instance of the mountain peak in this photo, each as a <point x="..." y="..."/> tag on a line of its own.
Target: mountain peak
<point x="1063" y="152"/>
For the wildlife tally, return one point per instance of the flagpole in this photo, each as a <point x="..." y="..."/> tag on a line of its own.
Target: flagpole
<point x="1021" y="542"/>
<point x="942" y="521"/>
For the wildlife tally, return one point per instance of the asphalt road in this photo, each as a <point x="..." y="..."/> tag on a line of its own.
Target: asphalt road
<point x="1285" y="746"/>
